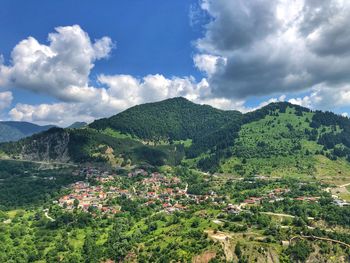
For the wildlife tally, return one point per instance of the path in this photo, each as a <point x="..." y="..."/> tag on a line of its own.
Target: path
<point x="283" y="215"/>
<point x="224" y="240"/>
<point x="344" y="185"/>
<point x="320" y="238"/>
<point x="47" y="215"/>
<point x="39" y="162"/>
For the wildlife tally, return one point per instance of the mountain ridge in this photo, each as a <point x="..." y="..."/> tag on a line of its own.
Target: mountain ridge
<point x="204" y="137"/>
<point x="15" y="130"/>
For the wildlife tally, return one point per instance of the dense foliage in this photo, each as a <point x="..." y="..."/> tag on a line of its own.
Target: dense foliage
<point x="279" y="135"/>
<point x="172" y="119"/>
<point x="84" y="142"/>
<point x="23" y="184"/>
<point x="268" y="203"/>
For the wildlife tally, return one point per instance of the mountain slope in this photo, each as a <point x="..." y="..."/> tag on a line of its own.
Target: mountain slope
<point x="171" y="119"/>
<point x="88" y="145"/>
<point x="77" y="125"/>
<point x="291" y="141"/>
<point x="279" y="139"/>
<point x="13" y="130"/>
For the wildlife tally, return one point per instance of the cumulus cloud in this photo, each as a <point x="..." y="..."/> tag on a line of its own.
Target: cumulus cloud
<point x="118" y="93"/>
<point x="275" y="47"/>
<point x="324" y="97"/>
<point x="249" y="48"/>
<point x="208" y="64"/>
<point x="60" y="69"/>
<point x="5" y="100"/>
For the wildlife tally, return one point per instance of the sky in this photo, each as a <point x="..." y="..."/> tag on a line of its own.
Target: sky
<point x="66" y="61"/>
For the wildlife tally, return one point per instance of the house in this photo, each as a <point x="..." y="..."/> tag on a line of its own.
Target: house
<point x="180" y="207"/>
<point x="253" y="200"/>
<point x="340" y="202"/>
<point x="166" y="205"/>
<point x="233" y="209"/>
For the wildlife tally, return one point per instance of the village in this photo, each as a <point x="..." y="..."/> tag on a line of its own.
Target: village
<point x="152" y="188"/>
<point x="156" y="190"/>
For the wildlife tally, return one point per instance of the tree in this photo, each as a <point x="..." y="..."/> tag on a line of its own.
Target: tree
<point x="238" y="250"/>
<point x="76" y="203"/>
<point x="90" y="250"/>
<point x="300" y="251"/>
<point x="118" y="244"/>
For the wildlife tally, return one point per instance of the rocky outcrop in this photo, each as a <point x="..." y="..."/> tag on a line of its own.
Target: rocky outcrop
<point x="51" y="147"/>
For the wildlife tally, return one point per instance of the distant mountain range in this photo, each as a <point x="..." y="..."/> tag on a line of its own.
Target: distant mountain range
<point x="277" y="139"/>
<point x="15" y="130"/>
<point x="11" y="131"/>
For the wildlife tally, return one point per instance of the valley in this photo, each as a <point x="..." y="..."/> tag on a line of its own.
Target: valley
<point x="174" y="181"/>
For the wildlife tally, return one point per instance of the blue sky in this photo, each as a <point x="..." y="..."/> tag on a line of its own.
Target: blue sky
<point x="226" y="53"/>
<point x="151" y="36"/>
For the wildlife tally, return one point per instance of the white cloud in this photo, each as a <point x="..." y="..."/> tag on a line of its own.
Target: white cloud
<point x="5" y="100"/>
<point x="304" y="101"/>
<point x="208" y="63"/>
<point x="275" y="47"/>
<point x="325" y="97"/>
<point x="121" y="92"/>
<point x="60" y="69"/>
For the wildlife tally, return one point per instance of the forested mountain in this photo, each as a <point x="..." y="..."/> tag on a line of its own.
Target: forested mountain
<point x="171" y="119"/>
<point x="281" y="136"/>
<point x="15" y="130"/>
<point x="77" y="125"/>
<point x="85" y="145"/>
<point x="277" y="188"/>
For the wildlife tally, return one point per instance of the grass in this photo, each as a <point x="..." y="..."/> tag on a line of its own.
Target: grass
<point x="78" y="241"/>
<point x="11" y="214"/>
<point x="167" y="234"/>
<point x="345" y="196"/>
<point x="334" y="172"/>
<point x="116" y="134"/>
<point x="274" y="145"/>
<point x="278" y="146"/>
<point x="187" y="143"/>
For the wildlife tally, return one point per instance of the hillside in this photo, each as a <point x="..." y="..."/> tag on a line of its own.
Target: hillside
<point x="279" y="139"/>
<point x="77" y="125"/>
<point x="88" y="145"/>
<point x="168" y="120"/>
<point x="15" y="130"/>
<point x="278" y="188"/>
<point x="290" y="140"/>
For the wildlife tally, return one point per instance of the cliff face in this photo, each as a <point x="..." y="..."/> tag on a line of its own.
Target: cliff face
<point x="53" y="147"/>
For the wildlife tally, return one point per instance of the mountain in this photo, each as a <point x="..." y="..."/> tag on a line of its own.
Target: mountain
<point x="278" y="139"/>
<point x="15" y="130"/>
<point x="77" y="125"/>
<point x="89" y="145"/>
<point x="168" y="120"/>
<point x="278" y="190"/>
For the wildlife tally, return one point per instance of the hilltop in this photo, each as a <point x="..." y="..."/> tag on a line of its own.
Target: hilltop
<point x="168" y="120"/>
